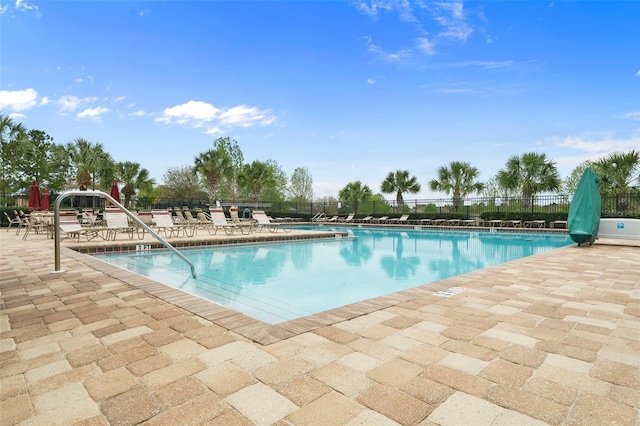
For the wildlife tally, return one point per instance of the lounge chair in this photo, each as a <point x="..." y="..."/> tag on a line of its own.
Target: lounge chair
<point x="535" y="223"/>
<point x="118" y="223"/>
<point x="365" y="219"/>
<point x="179" y="217"/>
<point x="379" y="219"/>
<point x="163" y="222"/>
<point x="90" y="218"/>
<point x="188" y="217"/>
<point x="219" y="220"/>
<point x="453" y="222"/>
<point x="245" y="226"/>
<point x="15" y="221"/>
<point x="496" y="223"/>
<point x="399" y="220"/>
<point x="263" y="222"/>
<point x="332" y="219"/>
<point x="318" y="217"/>
<point x="204" y="220"/>
<point x="72" y="227"/>
<point x="347" y="219"/>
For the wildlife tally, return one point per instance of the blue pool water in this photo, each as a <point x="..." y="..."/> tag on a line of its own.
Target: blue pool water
<point x="276" y="282"/>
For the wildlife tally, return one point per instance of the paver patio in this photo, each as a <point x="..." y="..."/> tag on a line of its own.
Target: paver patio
<point x="548" y="339"/>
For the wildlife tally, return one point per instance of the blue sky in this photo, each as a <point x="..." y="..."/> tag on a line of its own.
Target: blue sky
<point x="351" y="90"/>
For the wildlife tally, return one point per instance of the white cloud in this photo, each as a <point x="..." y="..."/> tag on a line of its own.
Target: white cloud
<point x="452" y="17"/>
<point x="425" y="46"/>
<point x="139" y="113"/>
<point x="214" y="131"/>
<point x="94" y="114"/>
<point x="490" y="65"/>
<point x="201" y="114"/>
<point x="44" y="101"/>
<point x="190" y="112"/>
<point x="16" y="116"/>
<point x="377" y="50"/>
<point x="71" y="103"/>
<point x="632" y="116"/>
<point x="24" y="7"/>
<point x="596" y="145"/>
<point x="371" y="8"/>
<point x="338" y="134"/>
<point x="244" y="116"/>
<point x="371" y="81"/>
<point x="18" y="100"/>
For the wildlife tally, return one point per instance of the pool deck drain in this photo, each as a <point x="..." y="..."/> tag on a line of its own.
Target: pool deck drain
<point x="553" y="338"/>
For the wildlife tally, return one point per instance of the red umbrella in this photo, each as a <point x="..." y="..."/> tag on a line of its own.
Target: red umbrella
<point x="44" y="200"/>
<point x="115" y="192"/>
<point x="34" y="196"/>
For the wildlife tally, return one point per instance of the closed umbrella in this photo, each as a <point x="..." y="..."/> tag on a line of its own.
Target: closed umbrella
<point x="34" y="196"/>
<point x="115" y="192"/>
<point x="44" y="200"/>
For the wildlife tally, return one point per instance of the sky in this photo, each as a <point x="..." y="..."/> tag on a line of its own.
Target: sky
<point x="349" y="90"/>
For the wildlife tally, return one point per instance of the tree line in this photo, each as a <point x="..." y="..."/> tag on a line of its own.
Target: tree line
<point x="220" y="173"/>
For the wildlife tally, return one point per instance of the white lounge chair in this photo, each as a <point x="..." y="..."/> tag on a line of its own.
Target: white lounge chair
<point x="219" y="220"/>
<point x="118" y="223"/>
<point x="347" y="219"/>
<point x="72" y="227"/>
<point x="365" y="219"/>
<point x="13" y="221"/>
<point x="163" y="222"/>
<point x="399" y="220"/>
<point x="245" y="226"/>
<point x="263" y="222"/>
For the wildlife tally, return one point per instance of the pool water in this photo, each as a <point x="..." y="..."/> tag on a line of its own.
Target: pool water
<point x="276" y="282"/>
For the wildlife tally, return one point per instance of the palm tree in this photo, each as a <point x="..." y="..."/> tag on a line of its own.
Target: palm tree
<point x="459" y="180"/>
<point x="619" y="176"/>
<point x="618" y="172"/>
<point x="212" y="166"/>
<point x="354" y="192"/>
<point x="133" y="177"/>
<point x="92" y="164"/>
<point x="11" y="133"/>
<point x="255" y="177"/>
<point x="531" y="174"/>
<point x="400" y="182"/>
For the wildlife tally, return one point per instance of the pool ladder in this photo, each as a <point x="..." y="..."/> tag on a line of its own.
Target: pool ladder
<point x="133" y="217"/>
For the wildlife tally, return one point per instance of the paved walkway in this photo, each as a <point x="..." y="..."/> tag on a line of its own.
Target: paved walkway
<point x="549" y="339"/>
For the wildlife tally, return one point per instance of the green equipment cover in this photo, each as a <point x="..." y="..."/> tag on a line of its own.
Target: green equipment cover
<point x="584" y="211"/>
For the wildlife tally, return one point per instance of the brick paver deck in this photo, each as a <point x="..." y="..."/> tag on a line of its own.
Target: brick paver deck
<point x="549" y="339"/>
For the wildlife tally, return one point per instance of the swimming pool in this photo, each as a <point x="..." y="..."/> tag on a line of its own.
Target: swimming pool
<point x="276" y="282"/>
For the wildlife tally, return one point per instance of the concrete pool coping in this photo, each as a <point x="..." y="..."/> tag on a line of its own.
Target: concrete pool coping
<point x="553" y="338"/>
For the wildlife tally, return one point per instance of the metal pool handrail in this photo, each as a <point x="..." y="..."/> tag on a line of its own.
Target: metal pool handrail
<point x="121" y="207"/>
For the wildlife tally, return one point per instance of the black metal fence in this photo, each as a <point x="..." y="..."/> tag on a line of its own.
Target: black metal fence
<point x="548" y="207"/>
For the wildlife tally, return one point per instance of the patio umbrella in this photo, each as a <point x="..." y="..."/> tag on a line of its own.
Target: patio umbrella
<point x="44" y="200"/>
<point x="34" y="196"/>
<point x="115" y="192"/>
